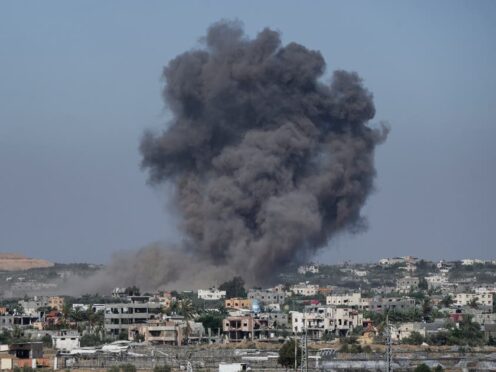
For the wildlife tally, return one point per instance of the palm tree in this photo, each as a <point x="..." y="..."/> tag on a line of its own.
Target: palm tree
<point x="66" y="314"/>
<point x="173" y="308"/>
<point x="186" y="310"/>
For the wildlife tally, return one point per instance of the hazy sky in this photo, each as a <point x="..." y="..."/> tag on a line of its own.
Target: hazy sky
<point x="80" y="81"/>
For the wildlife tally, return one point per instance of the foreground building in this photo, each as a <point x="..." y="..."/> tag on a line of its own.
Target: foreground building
<point x="119" y="317"/>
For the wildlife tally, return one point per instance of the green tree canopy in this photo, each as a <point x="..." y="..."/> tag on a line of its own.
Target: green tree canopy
<point x="287" y="354"/>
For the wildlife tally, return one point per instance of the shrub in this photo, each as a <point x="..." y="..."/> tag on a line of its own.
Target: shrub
<point x="128" y="368"/>
<point x="287" y="354"/>
<point x="162" y="369"/>
<point x="422" y="368"/>
<point x="415" y="338"/>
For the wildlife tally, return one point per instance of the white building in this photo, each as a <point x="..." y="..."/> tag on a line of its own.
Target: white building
<point x="406" y="284"/>
<point x="472" y="261"/>
<point x="360" y="273"/>
<point x="119" y="317"/>
<point x="232" y="367"/>
<point x="485" y="289"/>
<point x="66" y="341"/>
<point x="31" y="307"/>
<point x="345" y="320"/>
<point x="409" y="260"/>
<point x="484" y="318"/>
<point x="318" y="320"/>
<point x="463" y="299"/>
<point x="211" y="294"/>
<point x="267" y="296"/>
<point x="390" y="261"/>
<point x="305" y="289"/>
<point x="353" y="299"/>
<point x="436" y="281"/>
<point x="310" y="268"/>
<point x="404" y="330"/>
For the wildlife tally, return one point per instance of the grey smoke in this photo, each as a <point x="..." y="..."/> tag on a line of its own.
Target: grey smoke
<point x="268" y="160"/>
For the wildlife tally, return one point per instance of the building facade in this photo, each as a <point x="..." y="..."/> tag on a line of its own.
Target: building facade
<point x="119" y="317"/>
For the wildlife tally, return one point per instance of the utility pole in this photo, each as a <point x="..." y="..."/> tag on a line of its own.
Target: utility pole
<point x="296" y="353"/>
<point x="389" y="349"/>
<point x="304" y="347"/>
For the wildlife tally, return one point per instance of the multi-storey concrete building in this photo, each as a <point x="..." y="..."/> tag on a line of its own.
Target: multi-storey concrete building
<point x="319" y="320"/>
<point x="56" y="302"/>
<point x="436" y="281"/>
<point x="211" y="294"/>
<point x="406" y="284"/>
<point x="464" y="299"/>
<point x="238" y="303"/>
<point x="310" y="268"/>
<point x="266" y="296"/>
<point x="314" y="320"/>
<point x="305" y="289"/>
<point x="119" y="317"/>
<point x="381" y="304"/>
<point x="352" y="299"/>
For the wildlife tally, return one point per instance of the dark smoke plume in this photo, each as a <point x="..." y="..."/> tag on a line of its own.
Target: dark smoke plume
<point x="268" y="161"/>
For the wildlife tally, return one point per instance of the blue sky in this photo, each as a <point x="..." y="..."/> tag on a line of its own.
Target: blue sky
<point x="80" y="81"/>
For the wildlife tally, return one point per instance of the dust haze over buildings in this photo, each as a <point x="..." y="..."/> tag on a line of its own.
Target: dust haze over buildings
<point x="267" y="159"/>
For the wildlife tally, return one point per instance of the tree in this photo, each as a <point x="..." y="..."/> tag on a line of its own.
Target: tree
<point x="90" y="340"/>
<point x="423" y="285"/>
<point x="491" y="341"/>
<point x="422" y="368"/>
<point x="132" y="291"/>
<point x="287" y="354"/>
<point x="212" y="321"/>
<point x="234" y="287"/>
<point x="447" y="301"/>
<point x="47" y="340"/>
<point x="426" y="308"/>
<point x="467" y="333"/>
<point x="415" y="338"/>
<point x="474" y="304"/>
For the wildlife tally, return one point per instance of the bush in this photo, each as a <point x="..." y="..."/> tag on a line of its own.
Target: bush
<point x="367" y="349"/>
<point x="422" y="368"/>
<point x="47" y="341"/>
<point x="162" y="369"/>
<point x="328" y="336"/>
<point x="90" y="340"/>
<point x="415" y="338"/>
<point x="287" y="354"/>
<point x="345" y="348"/>
<point x="128" y="367"/>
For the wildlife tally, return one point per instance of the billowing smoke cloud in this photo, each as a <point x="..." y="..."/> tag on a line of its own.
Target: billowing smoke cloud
<point x="268" y="161"/>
